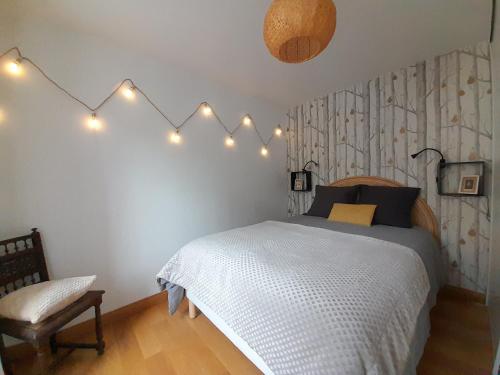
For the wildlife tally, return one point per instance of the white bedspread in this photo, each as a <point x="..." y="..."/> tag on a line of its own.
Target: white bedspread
<point x="308" y="300"/>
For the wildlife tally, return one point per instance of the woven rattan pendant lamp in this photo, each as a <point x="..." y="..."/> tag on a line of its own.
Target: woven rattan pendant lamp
<point x="299" y="30"/>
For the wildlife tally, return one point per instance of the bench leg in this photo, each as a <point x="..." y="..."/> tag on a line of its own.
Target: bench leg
<point x="7" y="367"/>
<point x="53" y="343"/>
<point x="98" y="330"/>
<point x="98" y="345"/>
<point x="43" y="361"/>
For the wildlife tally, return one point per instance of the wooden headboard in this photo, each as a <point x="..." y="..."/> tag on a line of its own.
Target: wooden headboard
<point x="421" y="214"/>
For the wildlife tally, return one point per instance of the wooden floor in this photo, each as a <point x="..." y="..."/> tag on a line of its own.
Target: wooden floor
<point x="151" y="342"/>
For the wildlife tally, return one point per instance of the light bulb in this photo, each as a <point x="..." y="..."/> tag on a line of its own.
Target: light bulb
<point x="229" y="141"/>
<point x="129" y="92"/>
<point x="175" y="137"/>
<point x="247" y="121"/>
<point x="93" y="122"/>
<point x="263" y="151"/>
<point x="207" y="111"/>
<point x="2" y="116"/>
<point x="278" y="131"/>
<point x="14" y="67"/>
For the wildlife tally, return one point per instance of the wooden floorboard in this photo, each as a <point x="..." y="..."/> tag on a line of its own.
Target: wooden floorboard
<point x="460" y="341"/>
<point x="150" y="342"/>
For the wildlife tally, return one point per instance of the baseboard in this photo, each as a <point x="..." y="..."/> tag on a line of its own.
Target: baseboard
<point x="80" y="329"/>
<point x="463" y="294"/>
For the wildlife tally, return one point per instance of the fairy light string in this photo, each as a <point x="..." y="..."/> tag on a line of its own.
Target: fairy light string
<point x="130" y="88"/>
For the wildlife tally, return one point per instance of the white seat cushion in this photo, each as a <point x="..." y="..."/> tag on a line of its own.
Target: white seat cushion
<point x="37" y="302"/>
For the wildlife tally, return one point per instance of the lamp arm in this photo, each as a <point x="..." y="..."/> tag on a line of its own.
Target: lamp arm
<point x="442" y="165"/>
<point x="310" y="161"/>
<point x="441" y="162"/>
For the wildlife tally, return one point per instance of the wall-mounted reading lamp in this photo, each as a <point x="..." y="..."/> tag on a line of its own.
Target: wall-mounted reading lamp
<point x="310" y="161"/>
<point x="444" y="166"/>
<point x="302" y="180"/>
<point x="442" y="162"/>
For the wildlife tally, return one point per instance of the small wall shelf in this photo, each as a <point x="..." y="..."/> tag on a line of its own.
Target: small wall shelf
<point x="450" y="174"/>
<point x="301" y="181"/>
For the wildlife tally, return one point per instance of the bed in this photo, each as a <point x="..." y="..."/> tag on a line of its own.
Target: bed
<point x="306" y="295"/>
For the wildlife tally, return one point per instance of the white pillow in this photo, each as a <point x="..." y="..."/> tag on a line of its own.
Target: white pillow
<point x="37" y="302"/>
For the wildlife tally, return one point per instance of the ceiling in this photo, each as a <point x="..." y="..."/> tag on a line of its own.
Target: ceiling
<point x="222" y="39"/>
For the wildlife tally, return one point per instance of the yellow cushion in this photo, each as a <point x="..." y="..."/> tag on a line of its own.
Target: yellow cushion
<point x="360" y="214"/>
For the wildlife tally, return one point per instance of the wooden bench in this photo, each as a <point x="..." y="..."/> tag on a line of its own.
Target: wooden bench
<point x="22" y="263"/>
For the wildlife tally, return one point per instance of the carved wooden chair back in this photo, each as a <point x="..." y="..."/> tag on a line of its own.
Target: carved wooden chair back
<point x="22" y="262"/>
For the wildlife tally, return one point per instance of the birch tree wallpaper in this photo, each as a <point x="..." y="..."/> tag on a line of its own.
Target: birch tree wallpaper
<point x="372" y="128"/>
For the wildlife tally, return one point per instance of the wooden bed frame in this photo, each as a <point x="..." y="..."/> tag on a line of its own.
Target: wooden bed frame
<point x="421" y="214"/>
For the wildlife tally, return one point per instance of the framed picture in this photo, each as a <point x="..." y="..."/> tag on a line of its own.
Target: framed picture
<point x="469" y="185"/>
<point x="299" y="184"/>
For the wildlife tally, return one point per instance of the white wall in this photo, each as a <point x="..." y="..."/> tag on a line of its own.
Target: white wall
<point x="120" y="202"/>
<point x="6" y="206"/>
<point x="6" y="33"/>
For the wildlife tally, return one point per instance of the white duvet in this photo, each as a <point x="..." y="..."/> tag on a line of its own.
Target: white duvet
<point x="308" y="300"/>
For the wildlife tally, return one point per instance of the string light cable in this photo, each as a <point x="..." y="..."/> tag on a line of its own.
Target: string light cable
<point x="129" y="89"/>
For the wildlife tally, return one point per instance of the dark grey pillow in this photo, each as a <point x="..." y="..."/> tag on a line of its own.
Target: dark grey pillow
<point x="326" y="196"/>
<point x="394" y="204"/>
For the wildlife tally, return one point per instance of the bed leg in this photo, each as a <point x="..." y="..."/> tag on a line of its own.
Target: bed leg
<point x="193" y="311"/>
